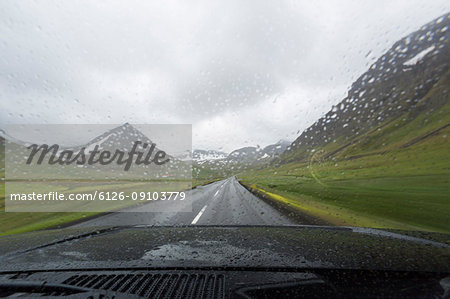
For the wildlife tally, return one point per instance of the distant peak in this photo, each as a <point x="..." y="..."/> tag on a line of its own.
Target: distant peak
<point x="283" y="142"/>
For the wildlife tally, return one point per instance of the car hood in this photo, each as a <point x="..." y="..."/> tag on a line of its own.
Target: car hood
<point x="228" y="246"/>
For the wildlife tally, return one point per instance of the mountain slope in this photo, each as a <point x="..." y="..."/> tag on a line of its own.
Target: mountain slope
<point x="250" y="157"/>
<point x="252" y="154"/>
<point x="381" y="157"/>
<point x="120" y="138"/>
<point x="408" y="83"/>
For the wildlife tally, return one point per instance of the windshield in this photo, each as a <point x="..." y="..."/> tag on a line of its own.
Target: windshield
<point x="286" y="114"/>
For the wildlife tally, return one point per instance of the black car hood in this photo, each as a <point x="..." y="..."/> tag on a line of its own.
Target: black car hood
<point x="231" y="246"/>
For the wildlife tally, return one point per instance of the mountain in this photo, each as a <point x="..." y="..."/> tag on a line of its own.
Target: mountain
<point x="123" y="137"/>
<point x="5" y="136"/>
<point x="120" y="138"/>
<point x="212" y="164"/>
<point x="277" y="148"/>
<point x="380" y="158"/>
<point x="401" y="100"/>
<point x="244" y="155"/>
<point x="251" y="154"/>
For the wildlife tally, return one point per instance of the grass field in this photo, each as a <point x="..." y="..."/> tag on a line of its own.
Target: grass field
<point x="404" y="188"/>
<point x="17" y="222"/>
<point x="396" y="175"/>
<point x="11" y="223"/>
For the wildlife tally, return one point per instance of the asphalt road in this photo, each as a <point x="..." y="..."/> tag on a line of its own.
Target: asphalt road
<point x="224" y="202"/>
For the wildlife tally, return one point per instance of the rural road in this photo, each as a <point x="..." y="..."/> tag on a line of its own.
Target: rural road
<point x="224" y="202"/>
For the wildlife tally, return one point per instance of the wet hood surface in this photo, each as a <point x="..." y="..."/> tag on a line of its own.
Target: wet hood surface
<point x="279" y="247"/>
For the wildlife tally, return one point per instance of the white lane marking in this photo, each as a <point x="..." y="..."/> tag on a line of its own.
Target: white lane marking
<point x="220" y="188"/>
<point x="198" y="215"/>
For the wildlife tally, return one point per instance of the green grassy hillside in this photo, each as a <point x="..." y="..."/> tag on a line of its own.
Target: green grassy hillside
<point x="396" y="175"/>
<point x="381" y="157"/>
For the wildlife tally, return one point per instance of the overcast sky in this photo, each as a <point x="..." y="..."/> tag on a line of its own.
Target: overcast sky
<point x="242" y="72"/>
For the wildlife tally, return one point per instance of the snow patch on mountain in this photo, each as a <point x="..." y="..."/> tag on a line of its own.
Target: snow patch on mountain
<point x="419" y="56"/>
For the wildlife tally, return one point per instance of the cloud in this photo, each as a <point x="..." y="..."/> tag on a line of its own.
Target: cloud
<point x="242" y="73"/>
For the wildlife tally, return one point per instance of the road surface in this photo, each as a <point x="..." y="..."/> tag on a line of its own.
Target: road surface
<point x="224" y="202"/>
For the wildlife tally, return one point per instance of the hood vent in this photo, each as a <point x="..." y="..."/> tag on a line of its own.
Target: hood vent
<point x="155" y="285"/>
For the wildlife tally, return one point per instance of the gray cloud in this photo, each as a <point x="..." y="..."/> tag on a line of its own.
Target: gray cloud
<point x="241" y="72"/>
